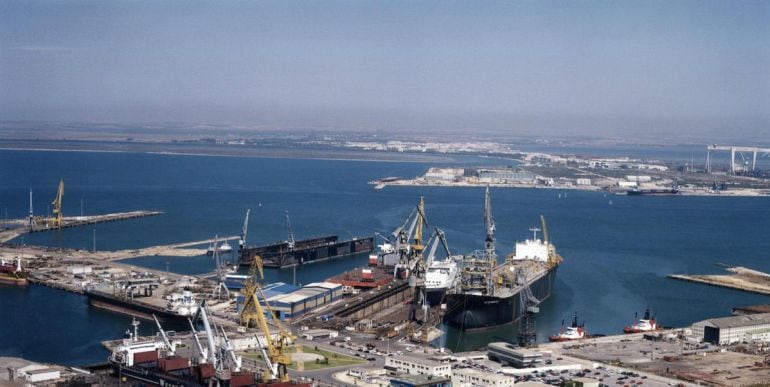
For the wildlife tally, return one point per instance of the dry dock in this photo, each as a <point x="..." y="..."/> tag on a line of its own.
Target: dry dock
<point x="744" y="279"/>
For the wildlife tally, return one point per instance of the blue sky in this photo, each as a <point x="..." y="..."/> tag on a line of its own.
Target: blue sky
<point x="582" y="67"/>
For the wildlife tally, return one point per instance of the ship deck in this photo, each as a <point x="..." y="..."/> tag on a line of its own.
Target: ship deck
<point x="534" y="269"/>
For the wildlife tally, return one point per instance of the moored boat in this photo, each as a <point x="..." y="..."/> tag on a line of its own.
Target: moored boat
<point x="573" y="332"/>
<point x="12" y="273"/>
<point x="644" y="324"/>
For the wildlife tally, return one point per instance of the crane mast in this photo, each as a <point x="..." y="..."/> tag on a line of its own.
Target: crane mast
<point x="290" y="241"/>
<point x="57" y="214"/>
<point x="244" y="231"/>
<point x="490" y="252"/>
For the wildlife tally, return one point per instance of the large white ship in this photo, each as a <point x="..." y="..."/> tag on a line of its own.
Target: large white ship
<point x="439" y="277"/>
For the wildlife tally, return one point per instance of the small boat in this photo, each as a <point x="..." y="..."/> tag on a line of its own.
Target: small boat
<point x="573" y="332"/>
<point x="12" y="273"/>
<point x="223" y="248"/>
<point x="644" y="324"/>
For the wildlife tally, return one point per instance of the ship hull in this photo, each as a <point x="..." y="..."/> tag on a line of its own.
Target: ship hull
<point x="12" y="280"/>
<point x="478" y="312"/>
<point x="306" y="251"/>
<point x="653" y="192"/>
<point x="434" y="296"/>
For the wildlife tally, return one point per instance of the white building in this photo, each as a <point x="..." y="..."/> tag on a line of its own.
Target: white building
<point x="517" y="357"/>
<point x="36" y="373"/>
<point x="470" y="377"/>
<point x="734" y="329"/>
<point x="583" y="181"/>
<point x="418" y="366"/>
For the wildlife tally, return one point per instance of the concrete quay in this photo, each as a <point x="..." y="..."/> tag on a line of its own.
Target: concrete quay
<point x="18" y="227"/>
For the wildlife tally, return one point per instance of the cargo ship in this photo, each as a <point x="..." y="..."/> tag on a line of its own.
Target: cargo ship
<point x="12" y="273"/>
<point x="674" y="190"/>
<point x="487" y="294"/>
<point x="178" y="307"/>
<point x="653" y="192"/>
<point x="292" y="253"/>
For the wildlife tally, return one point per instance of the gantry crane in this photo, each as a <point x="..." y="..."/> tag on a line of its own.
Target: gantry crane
<point x="273" y="349"/>
<point x="57" y="218"/>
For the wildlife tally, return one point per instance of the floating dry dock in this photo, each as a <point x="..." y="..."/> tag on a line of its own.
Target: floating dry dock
<point x="742" y="278"/>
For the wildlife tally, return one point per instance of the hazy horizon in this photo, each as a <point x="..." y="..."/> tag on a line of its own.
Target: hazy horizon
<point x="575" y="68"/>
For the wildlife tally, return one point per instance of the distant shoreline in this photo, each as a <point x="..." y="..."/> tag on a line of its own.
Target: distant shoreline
<point x="253" y="152"/>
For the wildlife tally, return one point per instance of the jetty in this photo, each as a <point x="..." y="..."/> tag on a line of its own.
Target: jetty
<point x="742" y="278"/>
<point x="18" y="227"/>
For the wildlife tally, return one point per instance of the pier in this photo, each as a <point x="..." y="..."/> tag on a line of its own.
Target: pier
<point x="25" y="226"/>
<point x="743" y="279"/>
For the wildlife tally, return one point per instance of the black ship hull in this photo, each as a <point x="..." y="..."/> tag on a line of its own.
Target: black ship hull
<point x="150" y="377"/>
<point x="653" y="192"/>
<point x="434" y="297"/>
<point x="306" y="251"/>
<point x="134" y="308"/>
<point x="477" y="312"/>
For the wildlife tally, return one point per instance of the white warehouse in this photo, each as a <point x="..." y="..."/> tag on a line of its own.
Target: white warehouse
<point x="734" y="329"/>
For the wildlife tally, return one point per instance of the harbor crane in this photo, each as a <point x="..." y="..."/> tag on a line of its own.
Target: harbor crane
<point x="244" y="231"/>
<point x="437" y="237"/>
<point x="171" y="347"/>
<point x="553" y="258"/>
<point x="221" y="273"/>
<point x="290" y="242"/>
<point x="58" y="217"/>
<point x="763" y="152"/>
<point x="273" y="349"/>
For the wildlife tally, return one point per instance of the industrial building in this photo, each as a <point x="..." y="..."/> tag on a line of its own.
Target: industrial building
<point x="413" y="365"/>
<point x="471" y="377"/>
<point x="505" y="176"/>
<point x="515" y="356"/>
<point x="734" y="329"/>
<point x="300" y="301"/>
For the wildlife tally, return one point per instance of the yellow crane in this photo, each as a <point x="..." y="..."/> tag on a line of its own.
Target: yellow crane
<point x="417" y="246"/>
<point x="273" y="350"/>
<point x="57" y="218"/>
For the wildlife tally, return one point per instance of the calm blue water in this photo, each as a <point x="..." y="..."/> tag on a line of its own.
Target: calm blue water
<point x="616" y="255"/>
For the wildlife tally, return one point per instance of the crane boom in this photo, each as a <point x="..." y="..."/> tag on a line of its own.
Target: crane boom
<point x="204" y="355"/>
<point x="545" y="229"/>
<point x="290" y="241"/>
<point x="209" y="332"/>
<point x="442" y="238"/>
<point x="170" y="347"/>
<point x="489" y="223"/>
<point x="244" y="230"/>
<point x="417" y="246"/>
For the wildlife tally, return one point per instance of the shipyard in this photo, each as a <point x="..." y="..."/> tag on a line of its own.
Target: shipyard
<point x="372" y="324"/>
<point x="384" y="194"/>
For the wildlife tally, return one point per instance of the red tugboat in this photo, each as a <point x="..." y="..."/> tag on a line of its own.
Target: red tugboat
<point x="573" y="332"/>
<point x="645" y="324"/>
<point x="12" y="273"/>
